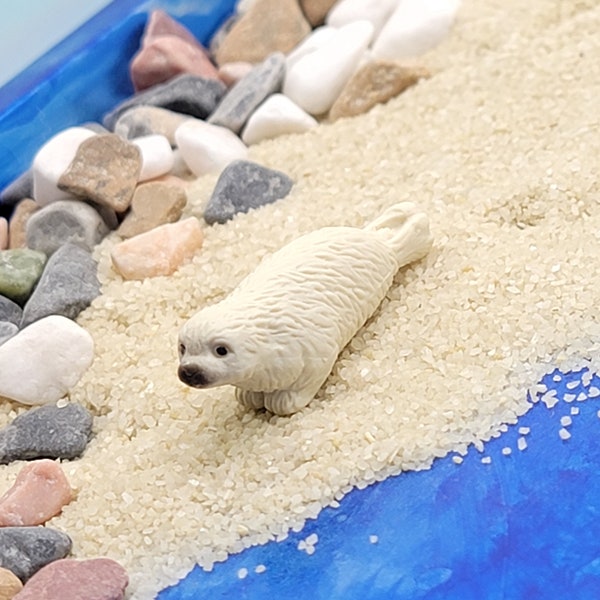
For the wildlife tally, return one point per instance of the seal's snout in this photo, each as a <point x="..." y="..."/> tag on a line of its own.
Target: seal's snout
<point x="192" y="376"/>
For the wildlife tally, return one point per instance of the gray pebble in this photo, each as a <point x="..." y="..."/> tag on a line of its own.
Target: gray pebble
<point x="10" y="311"/>
<point x="46" y="432"/>
<point x="187" y="94"/>
<point x="68" y="284"/>
<point x="244" y="185"/>
<point x="64" y="221"/>
<point x="25" y="550"/>
<point x="248" y="93"/>
<point x="7" y="330"/>
<point x="13" y="193"/>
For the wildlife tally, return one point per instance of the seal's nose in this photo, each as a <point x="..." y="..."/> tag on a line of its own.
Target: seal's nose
<point x="192" y="376"/>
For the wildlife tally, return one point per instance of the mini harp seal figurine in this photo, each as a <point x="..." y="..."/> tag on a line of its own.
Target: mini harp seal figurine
<point x="278" y="334"/>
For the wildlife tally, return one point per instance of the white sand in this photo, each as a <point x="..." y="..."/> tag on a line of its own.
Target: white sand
<point x="502" y="148"/>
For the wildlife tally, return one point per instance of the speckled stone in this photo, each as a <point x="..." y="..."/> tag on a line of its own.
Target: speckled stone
<point x="105" y="169"/>
<point x="18" y="222"/>
<point x="154" y="204"/>
<point x="186" y="94"/>
<point x="46" y="432"/>
<point x="25" y="550"/>
<point x="253" y="36"/>
<point x="139" y="121"/>
<point x="20" y="270"/>
<point x="246" y="95"/>
<point x="316" y="10"/>
<point x="68" y="284"/>
<point x="10" y="584"/>
<point x="374" y="83"/>
<point x="10" y="311"/>
<point x="70" y="579"/>
<point x="61" y="222"/>
<point x="244" y="185"/>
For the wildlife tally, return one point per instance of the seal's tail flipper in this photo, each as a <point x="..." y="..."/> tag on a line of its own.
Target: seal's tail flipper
<point x="406" y="229"/>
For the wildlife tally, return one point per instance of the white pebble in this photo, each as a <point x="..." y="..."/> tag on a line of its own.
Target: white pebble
<point x="278" y="115"/>
<point x="457" y="459"/>
<point x="260" y="569"/>
<point x="550" y="399"/>
<point x="486" y="460"/>
<point x="593" y="392"/>
<point x="524" y="430"/>
<point x="415" y="27"/>
<point x="582" y="397"/>
<point x="506" y="451"/>
<point x="569" y="397"/>
<point x="242" y="573"/>
<point x="574" y="410"/>
<point x="315" y="81"/>
<point x="41" y="363"/>
<point x="208" y="148"/>
<point x="347" y="11"/>
<point x="157" y="156"/>
<point x="566" y="421"/>
<point x="312" y="539"/>
<point x="521" y="444"/>
<point x="52" y="160"/>
<point x="310" y="550"/>
<point x="571" y="385"/>
<point x="373" y="539"/>
<point x="564" y="434"/>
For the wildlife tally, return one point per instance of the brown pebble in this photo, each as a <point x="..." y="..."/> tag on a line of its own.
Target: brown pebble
<point x="3" y="233"/>
<point x="10" y="584"/>
<point x="154" y="203"/>
<point x="166" y="57"/>
<point x="105" y="169"/>
<point x="18" y="222"/>
<point x="316" y="10"/>
<point x="253" y="37"/>
<point x="374" y="83"/>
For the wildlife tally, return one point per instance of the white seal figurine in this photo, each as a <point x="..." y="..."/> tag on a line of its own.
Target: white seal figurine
<point x="278" y="334"/>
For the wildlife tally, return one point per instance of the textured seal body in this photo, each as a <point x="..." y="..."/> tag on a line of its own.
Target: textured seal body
<point x="278" y="334"/>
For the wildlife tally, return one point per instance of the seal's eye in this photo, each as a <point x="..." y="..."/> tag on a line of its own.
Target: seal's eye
<point x="181" y="349"/>
<point x="221" y="351"/>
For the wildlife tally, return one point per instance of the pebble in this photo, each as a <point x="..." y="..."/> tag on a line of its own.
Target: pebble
<point x="47" y="432"/>
<point x="316" y="10"/>
<point x="139" y="121"/>
<point x="71" y="579"/>
<point x="67" y="286"/>
<point x="244" y="185"/>
<point x="39" y="493"/>
<point x="44" y="361"/>
<point x="154" y="203"/>
<point x="61" y="222"/>
<point x="415" y="27"/>
<point x="276" y="116"/>
<point x="105" y="169"/>
<point x="157" y="252"/>
<point x="375" y="11"/>
<point x="244" y="97"/>
<point x="52" y="160"/>
<point x="7" y="330"/>
<point x="208" y="148"/>
<point x="10" y="584"/>
<point x="18" y="222"/>
<point x="166" y="57"/>
<point x="315" y="81"/>
<point x="231" y="73"/>
<point x="187" y="94"/>
<point x="20" y="270"/>
<point x="3" y="233"/>
<point x="253" y="37"/>
<point x="25" y="550"/>
<point x="374" y="83"/>
<point x="10" y="311"/>
<point x="157" y="156"/>
<point x="14" y="192"/>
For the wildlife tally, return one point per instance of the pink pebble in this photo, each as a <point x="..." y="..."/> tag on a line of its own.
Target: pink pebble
<point x="159" y="251"/>
<point x="38" y="494"/>
<point x="70" y="579"/>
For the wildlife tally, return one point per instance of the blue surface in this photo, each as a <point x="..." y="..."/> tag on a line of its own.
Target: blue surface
<point x="523" y="527"/>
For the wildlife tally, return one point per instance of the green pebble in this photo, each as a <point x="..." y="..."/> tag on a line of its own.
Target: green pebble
<point x="20" y="270"/>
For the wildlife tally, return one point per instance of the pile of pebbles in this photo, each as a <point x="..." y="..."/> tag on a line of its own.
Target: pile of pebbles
<point x="196" y="111"/>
